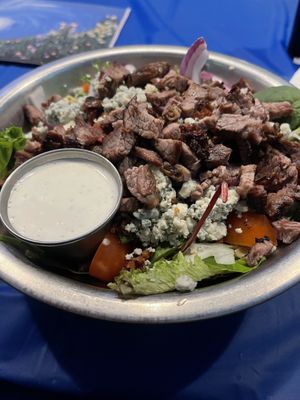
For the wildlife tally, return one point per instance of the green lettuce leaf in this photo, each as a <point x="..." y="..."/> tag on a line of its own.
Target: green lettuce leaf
<point x="161" y="276"/>
<point x="11" y="139"/>
<point x="283" y="93"/>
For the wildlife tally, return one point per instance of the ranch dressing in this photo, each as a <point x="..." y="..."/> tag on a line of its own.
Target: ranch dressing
<point x="62" y="200"/>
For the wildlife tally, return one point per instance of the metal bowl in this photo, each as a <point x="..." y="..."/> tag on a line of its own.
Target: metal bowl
<point x="277" y="274"/>
<point x="76" y="249"/>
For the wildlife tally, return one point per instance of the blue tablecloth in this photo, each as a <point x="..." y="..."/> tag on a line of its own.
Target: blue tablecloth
<point x="47" y="353"/>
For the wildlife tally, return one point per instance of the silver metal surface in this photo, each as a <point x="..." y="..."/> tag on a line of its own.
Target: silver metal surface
<point x="78" y="248"/>
<point x="279" y="273"/>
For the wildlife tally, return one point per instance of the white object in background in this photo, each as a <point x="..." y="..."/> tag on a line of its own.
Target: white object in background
<point x="295" y="80"/>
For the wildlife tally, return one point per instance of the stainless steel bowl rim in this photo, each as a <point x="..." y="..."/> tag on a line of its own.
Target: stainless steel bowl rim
<point x="237" y="294"/>
<point x="59" y="154"/>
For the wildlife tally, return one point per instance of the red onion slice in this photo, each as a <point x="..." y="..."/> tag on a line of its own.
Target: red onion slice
<point x="194" y="60"/>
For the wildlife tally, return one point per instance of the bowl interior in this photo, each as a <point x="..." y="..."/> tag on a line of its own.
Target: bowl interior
<point x="277" y="274"/>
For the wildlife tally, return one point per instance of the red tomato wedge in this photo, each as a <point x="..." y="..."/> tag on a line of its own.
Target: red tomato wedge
<point x="109" y="258"/>
<point x="243" y="231"/>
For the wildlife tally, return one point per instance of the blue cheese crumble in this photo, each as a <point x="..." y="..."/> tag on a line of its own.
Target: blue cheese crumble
<point x="171" y="222"/>
<point x="64" y="110"/>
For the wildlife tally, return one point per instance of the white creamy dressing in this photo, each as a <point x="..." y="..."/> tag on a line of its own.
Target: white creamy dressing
<point x="62" y="200"/>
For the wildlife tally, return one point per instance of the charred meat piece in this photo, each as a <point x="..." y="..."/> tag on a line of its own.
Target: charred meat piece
<point x="177" y="172"/>
<point x="149" y="156"/>
<point x="220" y="174"/>
<point x="197" y="139"/>
<point x="118" y="143"/>
<point x="107" y="119"/>
<point x="192" y="97"/>
<point x="53" y="99"/>
<point x="20" y="157"/>
<point x="171" y="131"/>
<point x="275" y="171"/>
<point x="279" y="203"/>
<point x="287" y="231"/>
<point x="169" y="149"/>
<point x="172" y="110"/>
<point x="257" y="198"/>
<point x="259" y="111"/>
<point x="92" y="107"/>
<point x="218" y="155"/>
<point x="173" y="80"/>
<point x="111" y="76"/>
<point x="189" y="159"/>
<point x="246" y="179"/>
<point x="33" y="114"/>
<point x="55" y="137"/>
<point x="33" y="146"/>
<point x="126" y="163"/>
<point x="138" y="120"/>
<point x="150" y="71"/>
<point x="141" y="184"/>
<point x="262" y="248"/>
<point x="246" y="127"/>
<point x="279" y="110"/>
<point x="241" y="94"/>
<point x="129" y="204"/>
<point x="84" y="135"/>
<point x="160" y="99"/>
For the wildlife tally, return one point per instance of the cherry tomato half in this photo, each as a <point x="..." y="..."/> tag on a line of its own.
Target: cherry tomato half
<point x="109" y="258"/>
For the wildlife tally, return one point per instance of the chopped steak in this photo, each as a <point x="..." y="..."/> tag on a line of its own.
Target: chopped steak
<point x="192" y="97"/>
<point x="241" y="93"/>
<point x="247" y="127"/>
<point x="197" y="139"/>
<point x="110" y="78"/>
<point x="149" y="156"/>
<point x="262" y="248"/>
<point x="169" y="149"/>
<point x="141" y="184"/>
<point x="279" y="109"/>
<point x="92" y="107"/>
<point x="282" y="201"/>
<point x="147" y="73"/>
<point x="287" y="231"/>
<point x="107" y="119"/>
<point x="84" y="134"/>
<point x="177" y="172"/>
<point x="257" y="198"/>
<point x="246" y="179"/>
<point x="218" y="155"/>
<point x="189" y="159"/>
<point x="33" y="146"/>
<point x="171" y="131"/>
<point x="173" y="80"/>
<point x="160" y="99"/>
<point x="20" y="157"/>
<point x="259" y="111"/>
<point x="172" y="110"/>
<point x="118" y="143"/>
<point x="55" y="137"/>
<point x="276" y="171"/>
<point x="137" y="119"/>
<point x="220" y="174"/>
<point x="126" y="163"/>
<point x="53" y="99"/>
<point x="129" y="204"/>
<point x="33" y="114"/>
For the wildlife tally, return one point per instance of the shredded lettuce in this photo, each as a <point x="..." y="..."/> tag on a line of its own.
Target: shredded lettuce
<point x="11" y="139"/>
<point x="161" y="276"/>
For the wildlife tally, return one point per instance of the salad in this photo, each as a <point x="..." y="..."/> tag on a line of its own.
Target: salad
<point x="210" y="172"/>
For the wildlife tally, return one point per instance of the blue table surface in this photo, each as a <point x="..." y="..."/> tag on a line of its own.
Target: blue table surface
<point x="47" y="353"/>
